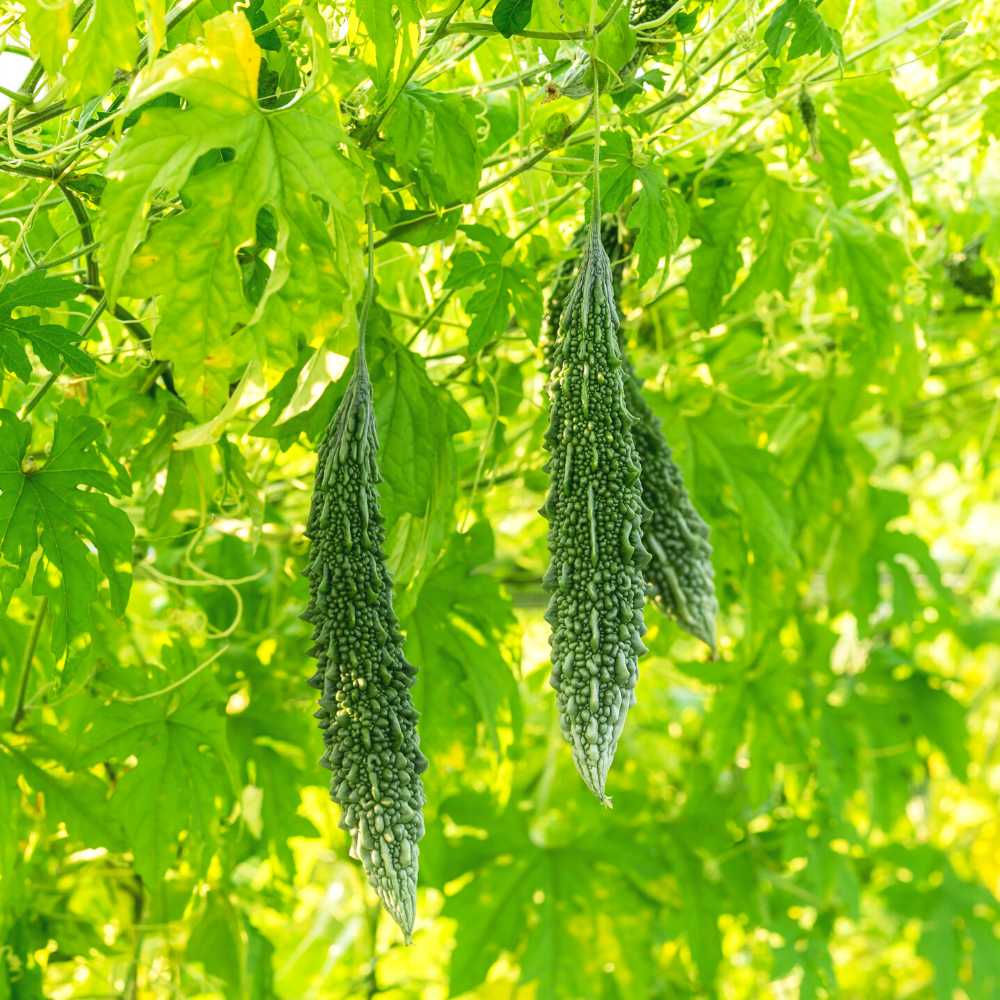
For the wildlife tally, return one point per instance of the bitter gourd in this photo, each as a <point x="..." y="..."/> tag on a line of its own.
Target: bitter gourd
<point x="968" y="271"/>
<point x="365" y="710"/>
<point x="679" y="573"/>
<point x="807" y="112"/>
<point x="595" y="513"/>
<point x="644" y="11"/>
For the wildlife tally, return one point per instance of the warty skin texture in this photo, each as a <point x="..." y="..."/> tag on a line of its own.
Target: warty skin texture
<point x="679" y="574"/>
<point x="595" y="514"/>
<point x="365" y="711"/>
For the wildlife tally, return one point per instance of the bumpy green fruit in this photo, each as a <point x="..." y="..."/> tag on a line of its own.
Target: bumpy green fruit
<point x="807" y="110"/>
<point x="365" y="711"/>
<point x="595" y="513"/>
<point x="644" y="11"/>
<point x="680" y="576"/>
<point x="679" y="573"/>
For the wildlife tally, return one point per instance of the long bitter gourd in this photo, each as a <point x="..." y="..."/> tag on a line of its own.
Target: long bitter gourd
<point x="679" y="573"/>
<point x="595" y="513"/>
<point x="365" y="710"/>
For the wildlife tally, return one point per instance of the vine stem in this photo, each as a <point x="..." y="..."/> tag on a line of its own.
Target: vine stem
<point x="595" y="207"/>
<point x="131" y="991"/>
<point x="369" y="288"/>
<point x="372" y="988"/>
<point x="27" y="660"/>
<point x="40" y="393"/>
<point x="440" y="29"/>
<point x="51" y="380"/>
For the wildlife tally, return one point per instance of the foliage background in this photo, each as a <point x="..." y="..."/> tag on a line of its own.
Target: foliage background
<point x="812" y="814"/>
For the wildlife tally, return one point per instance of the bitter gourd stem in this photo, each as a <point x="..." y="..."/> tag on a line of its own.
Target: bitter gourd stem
<point x="595" y="203"/>
<point x="369" y="288"/>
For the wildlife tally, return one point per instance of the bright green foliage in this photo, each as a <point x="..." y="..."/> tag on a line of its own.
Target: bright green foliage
<point x="716" y="261"/>
<point x="801" y="22"/>
<point x="365" y="710"/>
<point x="53" y="345"/>
<point x="42" y="505"/>
<point x="436" y="145"/>
<point x="661" y="216"/>
<point x="105" y="41"/>
<point x="595" y="512"/>
<point x="182" y="779"/>
<point x="503" y="286"/>
<point x="811" y="814"/>
<point x="294" y="162"/>
<point x="512" y="16"/>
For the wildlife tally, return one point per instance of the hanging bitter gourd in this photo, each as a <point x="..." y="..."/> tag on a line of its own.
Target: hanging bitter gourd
<point x="807" y="112"/>
<point x="365" y="710"/>
<point x="644" y="11"/>
<point x="595" y="513"/>
<point x="679" y="573"/>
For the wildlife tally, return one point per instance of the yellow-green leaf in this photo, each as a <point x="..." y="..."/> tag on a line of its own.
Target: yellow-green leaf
<point x="297" y="163"/>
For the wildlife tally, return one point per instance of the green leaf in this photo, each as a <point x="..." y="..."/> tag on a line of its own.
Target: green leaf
<point x="107" y="40"/>
<point x="377" y="17"/>
<point x="54" y="345"/>
<point x="720" y="227"/>
<point x="49" y="25"/>
<point x="36" y="288"/>
<point x="215" y="942"/>
<point x="266" y="743"/>
<point x="834" y="163"/>
<point x="991" y="113"/>
<point x="772" y="79"/>
<point x="771" y="270"/>
<point x="42" y="507"/>
<point x="701" y="910"/>
<point x="661" y="216"/>
<point x="501" y="286"/>
<point x="868" y="108"/>
<point x="78" y="800"/>
<point x="489" y="913"/>
<point x="181" y="781"/>
<point x="418" y="227"/>
<point x="870" y="264"/>
<point x="616" y="43"/>
<point x="455" y="634"/>
<point x="416" y="419"/>
<point x="288" y="161"/>
<point x="435" y="143"/>
<point x="800" y="21"/>
<point x="512" y="16"/>
<point x="940" y="945"/>
<point x="942" y="720"/>
<point x="108" y="43"/>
